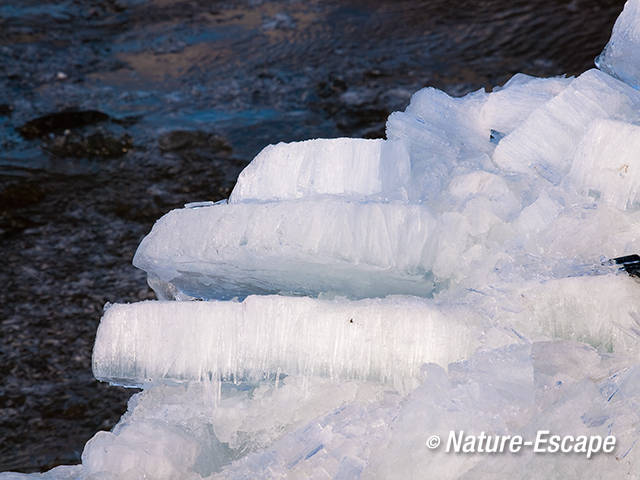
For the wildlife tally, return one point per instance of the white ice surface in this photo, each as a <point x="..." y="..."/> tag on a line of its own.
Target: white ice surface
<point x="621" y="56"/>
<point x="606" y="164"/>
<point x="385" y="340"/>
<point x="318" y="428"/>
<point x="301" y="247"/>
<point x="546" y="141"/>
<point x="349" y="167"/>
<point x="481" y="233"/>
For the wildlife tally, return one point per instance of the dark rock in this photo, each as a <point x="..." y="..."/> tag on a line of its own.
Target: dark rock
<point x="11" y="224"/>
<point x="17" y="195"/>
<point x="98" y="144"/>
<point x="5" y="110"/>
<point x="180" y="140"/>
<point x="58" y="122"/>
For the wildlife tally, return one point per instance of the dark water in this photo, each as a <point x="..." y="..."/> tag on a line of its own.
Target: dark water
<point x="114" y="112"/>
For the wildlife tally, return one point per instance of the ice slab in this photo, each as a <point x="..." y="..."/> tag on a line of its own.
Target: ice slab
<point x="349" y="167"/>
<point x="606" y="164"/>
<point x="444" y="133"/>
<point x="621" y="56"/>
<point x="439" y="132"/>
<point x="547" y="140"/>
<point x="299" y="247"/>
<point x="384" y="340"/>
<point x="602" y="311"/>
<point x="480" y="233"/>
<point x="508" y="106"/>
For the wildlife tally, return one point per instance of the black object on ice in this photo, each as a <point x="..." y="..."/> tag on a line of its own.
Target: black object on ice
<point x="630" y="263"/>
<point x="495" y="136"/>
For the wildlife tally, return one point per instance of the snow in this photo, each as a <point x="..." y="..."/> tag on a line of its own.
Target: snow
<point x="358" y="296"/>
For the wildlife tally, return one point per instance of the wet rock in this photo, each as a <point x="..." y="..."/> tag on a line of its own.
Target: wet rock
<point x="98" y="144"/>
<point x="5" y="110"/>
<point x="22" y="194"/>
<point x="60" y="121"/>
<point x="181" y="140"/>
<point x="11" y="224"/>
<point x="332" y="86"/>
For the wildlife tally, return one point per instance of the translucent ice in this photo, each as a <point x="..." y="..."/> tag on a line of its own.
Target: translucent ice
<point x="508" y="106"/>
<point x="606" y="164"/>
<point x="301" y="247"/>
<point x="621" y="56"/>
<point x="496" y="212"/>
<point x="384" y="340"/>
<point x="547" y="140"/>
<point x="350" y="167"/>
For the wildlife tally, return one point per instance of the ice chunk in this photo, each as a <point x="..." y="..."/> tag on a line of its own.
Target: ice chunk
<point x="204" y="436"/>
<point x="350" y="167"/>
<point x="439" y="131"/>
<point x="602" y="311"/>
<point x="166" y="449"/>
<point x="621" y="56"/>
<point x="299" y="247"/>
<point x="546" y="142"/>
<point x="561" y="387"/>
<point x="508" y="106"/>
<point x="606" y="164"/>
<point x="385" y="340"/>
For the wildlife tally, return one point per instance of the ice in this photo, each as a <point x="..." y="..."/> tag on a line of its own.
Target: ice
<point x="560" y="386"/>
<point x="363" y="295"/>
<point x="508" y="106"/>
<point x="602" y="311"/>
<point x="547" y="140"/>
<point x="299" y="247"/>
<point x="319" y="428"/>
<point x="606" y="165"/>
<point x="621" y="56"/>
<point x="349" y="167"/>
<point x="481" y="233"/>
<point x="440" y="132"/>
<point x="385" y="340"/>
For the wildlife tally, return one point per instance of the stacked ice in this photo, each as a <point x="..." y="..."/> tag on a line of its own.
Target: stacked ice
<point x="359" y="296"/>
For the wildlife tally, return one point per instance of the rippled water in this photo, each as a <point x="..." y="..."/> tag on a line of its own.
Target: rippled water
<point x="234" y="76"/>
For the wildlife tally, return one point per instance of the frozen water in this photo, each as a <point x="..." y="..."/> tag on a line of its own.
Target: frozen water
<point x="385" y="340"/>
<point x="299" y="247"/>
<point x="378" y="339"/>
<point x="606" y="164"/>
<point x="508" y="106"/>
<point x="350" y="167"/>
<point x="546" y="141"/>
<point x="493" y="215"/>
<point x="303" y="428"/>
<point x="482" y="232"/>
<point x="621" y="56"/>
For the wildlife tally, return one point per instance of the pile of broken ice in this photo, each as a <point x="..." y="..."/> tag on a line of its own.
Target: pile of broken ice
<point x="362" y="295"/>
